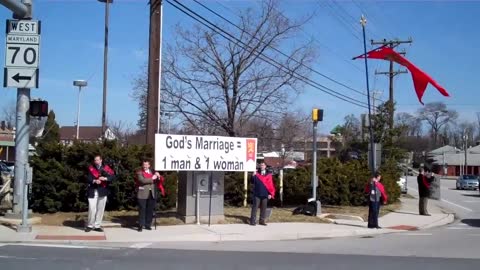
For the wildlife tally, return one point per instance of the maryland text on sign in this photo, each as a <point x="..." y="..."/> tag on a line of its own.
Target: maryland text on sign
<point x="204" y="153"/>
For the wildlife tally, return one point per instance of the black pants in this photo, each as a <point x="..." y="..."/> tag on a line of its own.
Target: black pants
<point x="422" y="206"/>
<point x="145" y="211"/>
<point x="262" y="202"/>
<point x="373" y="212"/>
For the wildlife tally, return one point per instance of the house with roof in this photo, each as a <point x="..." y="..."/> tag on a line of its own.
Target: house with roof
<point x="68" y="134"/>
<point x="451" y="161"/>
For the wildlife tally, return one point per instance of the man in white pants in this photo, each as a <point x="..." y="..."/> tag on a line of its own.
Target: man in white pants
<point x="99" y="177"/>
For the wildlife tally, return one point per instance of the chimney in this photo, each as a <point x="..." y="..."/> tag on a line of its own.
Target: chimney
<point x="9" y="125"/>
<point x="2" y="126"/>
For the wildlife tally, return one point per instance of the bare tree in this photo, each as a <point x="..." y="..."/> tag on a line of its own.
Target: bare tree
<point x="225" y="83"/>
<point x="478" y="127"/>
<point x="139" y="94"/>
<point x="9" y="113"/>
<point x="436" y="115"/>
<point x="292" y="128"/>
<point x="122" y="130"/>
<point x="410" y="125"/>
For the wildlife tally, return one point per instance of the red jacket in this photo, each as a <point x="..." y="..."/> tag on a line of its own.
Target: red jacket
<point x="381" y="188"/>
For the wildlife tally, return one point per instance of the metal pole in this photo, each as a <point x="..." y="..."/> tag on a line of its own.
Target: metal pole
<point x="363" y="22"/>
<point x="19" y="9"/>
<point x="78" y="112"/>
<point x="465" y="136"/>
<point x="281" y="175"/>
<point x="160" y="71"/>
<point x="197" y="206"/>
<point x="105" y="68"/>
<point x="314" y="161"/>
<point x="21" y="146"/>
<point x="245" y="188"/>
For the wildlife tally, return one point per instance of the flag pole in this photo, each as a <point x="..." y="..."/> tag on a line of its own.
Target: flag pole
<point x="363" y="22"/>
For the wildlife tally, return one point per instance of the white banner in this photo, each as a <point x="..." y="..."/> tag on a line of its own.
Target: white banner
<point x="204" y="153"/>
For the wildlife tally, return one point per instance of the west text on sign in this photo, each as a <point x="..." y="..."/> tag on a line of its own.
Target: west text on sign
<point x="23" y="27"/>
<point x="204" y="153"/>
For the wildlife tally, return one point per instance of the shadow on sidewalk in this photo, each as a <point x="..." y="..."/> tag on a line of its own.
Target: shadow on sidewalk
<point x="406" y="213"/>
<point x="471" y="222"/>
<point x="471" y="195"/>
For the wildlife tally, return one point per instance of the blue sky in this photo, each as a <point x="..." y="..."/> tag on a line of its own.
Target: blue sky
<point x="444" y="33"/>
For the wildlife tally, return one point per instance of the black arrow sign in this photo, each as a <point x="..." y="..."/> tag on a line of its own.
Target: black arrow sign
<point x="19" y="78"/>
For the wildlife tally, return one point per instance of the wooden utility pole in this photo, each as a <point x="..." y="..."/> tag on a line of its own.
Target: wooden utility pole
<point x="391" y="73"/>
<point x="154" y="73"/>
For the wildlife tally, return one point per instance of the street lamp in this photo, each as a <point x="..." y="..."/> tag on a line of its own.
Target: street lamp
<point x="79" y="84"/>
<point x="105" y="61"/>
<point x="168" y="115"/>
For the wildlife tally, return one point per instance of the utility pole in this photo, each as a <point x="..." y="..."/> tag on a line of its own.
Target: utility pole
<point x="154" y="71"/>
<point x="465" y="138"/>
<point x="391" y="73"/>
<point x="105" y="66"/>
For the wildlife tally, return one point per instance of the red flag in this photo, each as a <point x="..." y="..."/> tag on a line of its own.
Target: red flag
<point x="420" y="78"/>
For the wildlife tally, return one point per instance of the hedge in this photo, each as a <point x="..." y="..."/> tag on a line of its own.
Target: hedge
<point x="60" y="172"/>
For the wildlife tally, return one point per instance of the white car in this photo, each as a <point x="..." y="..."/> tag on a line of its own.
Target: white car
<point x="402" y="182"/>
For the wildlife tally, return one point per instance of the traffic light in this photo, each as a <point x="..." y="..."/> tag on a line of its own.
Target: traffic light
<point x="38" y="108"/>
<point x="317" y="115"/>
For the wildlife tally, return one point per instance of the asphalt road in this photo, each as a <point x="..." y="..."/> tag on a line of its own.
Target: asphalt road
<point x="42" y="258"/>
<point x="456" y="246"/>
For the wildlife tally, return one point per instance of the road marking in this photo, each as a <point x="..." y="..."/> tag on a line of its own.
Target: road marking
<point x="140" y="245"/>
<point x="457" y="205"/>
<point x="470" y="201"/>
<point x="461" y="228"/>
<point x="60" y="246"/>
<point x="419" y="234"/>
<point x="18" y="258"/>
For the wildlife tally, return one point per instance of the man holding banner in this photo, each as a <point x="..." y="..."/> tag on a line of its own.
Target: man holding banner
<point x="263" y="190"/>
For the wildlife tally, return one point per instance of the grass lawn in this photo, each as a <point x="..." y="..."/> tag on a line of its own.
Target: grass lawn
<point x="233" y="215"/>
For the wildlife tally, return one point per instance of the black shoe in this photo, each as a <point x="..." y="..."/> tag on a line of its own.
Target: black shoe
<point x="378" y="227"/>
<point x="98" y="229"/>
<point x="88" y="229"/>
<point x="263" y="223"/>
<point x="253" y="223"/>
<point x="140" y="229"/>
<point x="148" y="228"/>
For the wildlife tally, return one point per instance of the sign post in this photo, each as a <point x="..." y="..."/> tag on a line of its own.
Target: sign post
<point x="22" y="57"/>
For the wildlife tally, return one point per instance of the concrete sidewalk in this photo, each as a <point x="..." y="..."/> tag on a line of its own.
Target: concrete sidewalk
<point x="405" y="219"/>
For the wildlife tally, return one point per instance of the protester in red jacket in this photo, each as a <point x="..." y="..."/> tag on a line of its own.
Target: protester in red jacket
<point x="376" y="195"/>
<point x="263" y="190"/>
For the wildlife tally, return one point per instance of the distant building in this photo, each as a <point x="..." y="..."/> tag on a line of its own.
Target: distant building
<point x="450" y="161"/>
<point x="324" y="147"/>
<point x="7" y="141"/>
<point x="86" y="134"/>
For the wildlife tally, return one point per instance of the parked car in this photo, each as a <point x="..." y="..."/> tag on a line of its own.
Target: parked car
<point x="467" y="181"/>
<point x="402" y="182"/>
<point x="4" y="169"/>
<point x="10" y="166"/>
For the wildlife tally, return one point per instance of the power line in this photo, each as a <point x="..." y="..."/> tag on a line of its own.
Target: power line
<point x="282" y="53"/>
<point x="263" y="57"/>
<point x="347" y="60"/>
<point x="337" y="16"/>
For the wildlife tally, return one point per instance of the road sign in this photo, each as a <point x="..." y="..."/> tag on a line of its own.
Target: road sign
<point x="20" y="78"/>
<point x="204" y="153"/>
<point x="23" y="27"/>
<point x="22" y="54"/>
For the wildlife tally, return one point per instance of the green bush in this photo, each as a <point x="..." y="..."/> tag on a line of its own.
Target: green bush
<point x="59" y="179"/>
<point x="339" y="184"/>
